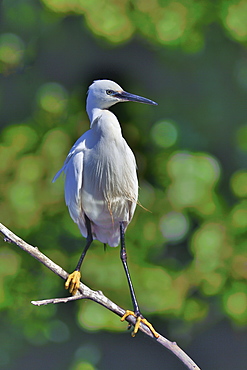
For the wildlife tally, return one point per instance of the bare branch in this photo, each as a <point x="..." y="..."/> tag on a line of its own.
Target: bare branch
<point x="96" y="296"/>
<point x="44" y="302"/>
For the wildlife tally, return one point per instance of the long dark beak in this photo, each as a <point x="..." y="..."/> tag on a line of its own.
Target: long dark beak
<point x="125" y="96"/>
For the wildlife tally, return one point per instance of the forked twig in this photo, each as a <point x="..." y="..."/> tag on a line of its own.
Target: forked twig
<point x="87" y="293"/>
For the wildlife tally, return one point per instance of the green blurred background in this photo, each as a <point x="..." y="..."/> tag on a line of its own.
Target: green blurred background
<point x="188" y="255"/>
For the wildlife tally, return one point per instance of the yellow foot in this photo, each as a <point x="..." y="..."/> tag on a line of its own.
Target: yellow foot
<point x="139" y="319"/>
<point x="73" y="282"/>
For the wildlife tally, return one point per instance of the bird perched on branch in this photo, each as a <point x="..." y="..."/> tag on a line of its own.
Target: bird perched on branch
<point x="101" y="186"/>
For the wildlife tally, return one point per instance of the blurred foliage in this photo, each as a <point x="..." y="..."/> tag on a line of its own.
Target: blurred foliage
<point x="188" y="256"/>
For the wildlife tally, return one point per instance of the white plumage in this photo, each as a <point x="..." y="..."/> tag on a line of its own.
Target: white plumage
<point x="100" y="169"/>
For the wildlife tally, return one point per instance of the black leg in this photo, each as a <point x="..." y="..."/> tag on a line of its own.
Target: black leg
<point x="89" y="242"/>
<point x="123" y="256"/>
<point x="73" y="281"/>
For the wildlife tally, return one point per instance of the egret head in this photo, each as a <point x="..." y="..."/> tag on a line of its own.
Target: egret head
<point x="103" y="94"/>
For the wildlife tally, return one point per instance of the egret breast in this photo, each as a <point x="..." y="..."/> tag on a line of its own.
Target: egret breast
<point x="110" y="189"/>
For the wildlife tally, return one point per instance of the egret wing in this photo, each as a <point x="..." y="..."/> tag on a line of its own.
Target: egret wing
<point x="73" y="170"/>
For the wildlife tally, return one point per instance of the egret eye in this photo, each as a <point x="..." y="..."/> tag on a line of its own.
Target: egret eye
<point x="110" y="92"/>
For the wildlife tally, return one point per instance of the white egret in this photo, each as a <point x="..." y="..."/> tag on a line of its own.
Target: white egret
<point x="101" y="186"/>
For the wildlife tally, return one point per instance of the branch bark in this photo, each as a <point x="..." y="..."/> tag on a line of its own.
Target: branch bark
<point x="96" y="296"/>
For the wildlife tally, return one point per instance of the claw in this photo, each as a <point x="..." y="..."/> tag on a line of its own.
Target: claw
<point x="139" y="319"/>
<point x="73" y="282"/>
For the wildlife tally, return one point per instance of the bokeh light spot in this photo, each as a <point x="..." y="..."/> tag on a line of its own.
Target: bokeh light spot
<point x="164" y="134"/>
<point x="239" y="183"/>
<point x="110" y="20"/>
<point x="30" y="168"/>
<point x="51" y="145"/>
<point x="53" y="98"/>
<point x="198" y="165"/>
<point x="11" y="50"/>
<point x="172" y="24"/>
<point x="157" y="284"/>
<point x="82" y="365"/>
<point x="174" y="226"/>
<point x="207" y="245"/>
<point x="212" y="283"/>
<point x="193" y="179"/>
<point x="20" y="138"/>
<point x="94" y="317"/>
<point x="242" y="138"/>
<point x="107" y="19"/>
<point x="237" y="303"/>
<point x="239" y="216"/>
<point x="195" y="310"/>
<point x="234" y="18"/>
<point x="57" y="331"/>
<point x="89" y="353"/>
<point x="22" y="197"/>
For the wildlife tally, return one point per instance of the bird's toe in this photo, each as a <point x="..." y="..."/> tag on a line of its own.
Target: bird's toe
<point x="139" y="319"/>
<point x="73" y="282"/>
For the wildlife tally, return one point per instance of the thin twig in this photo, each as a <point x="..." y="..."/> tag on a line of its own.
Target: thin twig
<point x="87" y="293"/>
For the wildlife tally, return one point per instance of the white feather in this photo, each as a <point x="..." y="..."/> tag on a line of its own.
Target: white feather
<point x="100" y="169"/>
